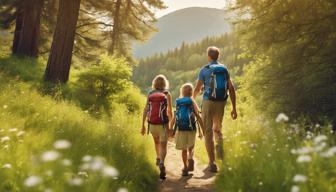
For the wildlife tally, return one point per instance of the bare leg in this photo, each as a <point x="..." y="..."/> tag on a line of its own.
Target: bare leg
<point x="185" y="158"/>
<point x="157" y="146"/>
<point x="163" y="151"/>
<point x="191" y="152"/>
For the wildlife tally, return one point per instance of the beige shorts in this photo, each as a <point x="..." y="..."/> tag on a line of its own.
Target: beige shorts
<point x="159" y="131"/>
<point x="184" y="139"/>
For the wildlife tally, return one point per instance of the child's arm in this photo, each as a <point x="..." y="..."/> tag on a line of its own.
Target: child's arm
<point x="172" y="124"/>
<point x="144" y="117"/>
<point x="170" y="106"/>
<point x="199" y="119"/>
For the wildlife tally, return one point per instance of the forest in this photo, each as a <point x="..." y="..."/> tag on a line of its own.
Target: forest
<point x="72" y="94"/>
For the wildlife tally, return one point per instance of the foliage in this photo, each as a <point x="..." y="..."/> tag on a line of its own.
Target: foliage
<point x="292" y="44"/>
<point x="30" y="125"/>
<point x="97" y="85"/>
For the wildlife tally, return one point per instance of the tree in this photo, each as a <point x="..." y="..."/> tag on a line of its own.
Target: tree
<point x="59" y="62"/>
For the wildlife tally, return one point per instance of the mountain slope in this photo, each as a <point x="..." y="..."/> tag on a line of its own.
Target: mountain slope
<point x="185" y="25"/>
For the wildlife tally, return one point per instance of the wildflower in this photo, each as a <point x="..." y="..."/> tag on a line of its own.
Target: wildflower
<point x="32" y="181"/>
<point x="260" y="183"/>
<point x="7" y="166"/>
<point x="12" y="129"/>
<point x="281" y="118"/>
<point x="329" y="153"/>
<point x="50" y="156"/>
<point x="5" y="106"/>
<point x="62" y="144"/>
<point x="302" y="150"/>
<point x="4" y="139"/>
<point x="303" y="159"/>
<point x="76" y="181"/>
<point x="20" y="133"/>
<point x="299" y="178"/>
<point x="319" y="139"/>
<point x="66" y="162"/>
<point x="83" y="174"/>
<point x="295" y="188"/>
<point x="109" y="171"/>
<point x="320" y="147"/>
<point x="87" y="158"/>
<point x="97" y="164"/>
<point x="122" y="190"/>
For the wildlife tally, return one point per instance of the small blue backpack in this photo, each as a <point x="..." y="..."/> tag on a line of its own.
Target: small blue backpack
<point x="185" y="117"/>
<point x="218" y="82"/>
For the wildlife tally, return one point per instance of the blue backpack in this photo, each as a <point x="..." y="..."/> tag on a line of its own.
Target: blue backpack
<point x="185" y="117"/>
<point x="218" y="82"/>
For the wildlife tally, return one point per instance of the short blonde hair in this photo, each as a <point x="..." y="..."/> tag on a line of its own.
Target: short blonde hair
<point x="160" y="82"/>
<point x="186" y="90"/>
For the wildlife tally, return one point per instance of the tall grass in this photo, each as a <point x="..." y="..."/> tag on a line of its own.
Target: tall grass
<point x="98" y="155"/>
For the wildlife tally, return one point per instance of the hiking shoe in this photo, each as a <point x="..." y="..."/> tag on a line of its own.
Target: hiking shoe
<point x="191" y="163"/>
<point x="213" y="168"/>
<point x="162" y="171"/>
<point x="157" y="161"/>
<point x="185" y="172"/>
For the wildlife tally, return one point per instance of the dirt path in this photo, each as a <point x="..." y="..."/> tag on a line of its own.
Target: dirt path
<point x="198" y="181"/>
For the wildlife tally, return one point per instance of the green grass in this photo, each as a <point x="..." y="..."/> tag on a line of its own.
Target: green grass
<point x="40" y="120"/>
<point x="260" y="156"/>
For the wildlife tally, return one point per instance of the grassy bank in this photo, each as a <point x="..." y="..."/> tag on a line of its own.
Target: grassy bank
<point x="54" y="145"/>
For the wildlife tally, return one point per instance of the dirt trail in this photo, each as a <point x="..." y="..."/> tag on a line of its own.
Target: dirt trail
<point x="198" y="181"/>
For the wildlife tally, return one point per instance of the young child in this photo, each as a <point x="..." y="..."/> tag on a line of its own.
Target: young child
<point x="158" y="112"/>
<point x="185" y="122"/>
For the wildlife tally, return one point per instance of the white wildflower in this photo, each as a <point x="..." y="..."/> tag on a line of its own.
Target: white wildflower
<point x="97" y="164"/>
<point x="66" y="162"/>
<point x="4" y="139"/>
<point x="83" y="174"/>
<point x="32" y="181"/>
<point x="329" y="153"/>
<point x="303" y="159"/>
<point x="7" y="166"/>
<point x="109" y="171"/>
<point x="50" y="156"/>
<point x="295" y="188"/>
<point x="281" y="118"/>
<point x="62" y="144"/>
<point x="12" y="129"/>
<point x="299" y="178"/>
<point x="302" y="150"/>
<point x="76" y="181"/>
<point x="20" y="133"/>
<point x="320" y="147"/>
<point x="87" y="158"/>
<point x="260" y="183"/>
<point x="122" y="190"/>
<point x="319" y="139"/>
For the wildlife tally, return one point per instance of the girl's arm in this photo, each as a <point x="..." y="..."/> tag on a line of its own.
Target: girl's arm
<point x="170" y="106"/>
<point x="199" y="119"/>
<point x="144" y="117"/>
<point x="172" y="124"/>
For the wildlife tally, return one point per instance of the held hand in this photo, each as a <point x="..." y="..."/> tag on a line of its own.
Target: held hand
<point x="234" y="114"/>
<point x="143" y="130"/>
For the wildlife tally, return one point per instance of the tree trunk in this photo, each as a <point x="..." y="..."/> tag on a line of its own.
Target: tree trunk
<point x="27" y="42"/>
<point x="18" y="28"/>
<point x="116" y="27"/>
<point x="59" y="61"/>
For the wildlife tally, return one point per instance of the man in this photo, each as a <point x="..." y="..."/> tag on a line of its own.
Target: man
<point x="213" y="104"/>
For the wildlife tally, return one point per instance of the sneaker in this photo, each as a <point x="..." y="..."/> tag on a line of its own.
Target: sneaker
<point x="157" y="161"/>
<point x="185" y="172"/>
<point x="162" y="171"/>
<point x="213" y="168"/>
<point x="191" y="163"/>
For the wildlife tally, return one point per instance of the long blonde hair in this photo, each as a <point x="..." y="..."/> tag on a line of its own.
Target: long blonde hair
<point x="160" y="82"/>
<point x="186" y="90"/>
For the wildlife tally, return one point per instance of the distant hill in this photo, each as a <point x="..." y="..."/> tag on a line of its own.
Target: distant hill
<point x="185" y="25"/>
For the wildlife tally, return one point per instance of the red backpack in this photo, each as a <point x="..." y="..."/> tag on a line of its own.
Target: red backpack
<point x="157" y="114"/>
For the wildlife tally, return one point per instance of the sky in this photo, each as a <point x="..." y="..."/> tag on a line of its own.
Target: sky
<point x="174" y="5"/>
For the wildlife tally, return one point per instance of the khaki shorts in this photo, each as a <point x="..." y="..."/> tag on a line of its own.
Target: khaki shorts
<point x="185" y="139"/>
<point x="159" y="131"/>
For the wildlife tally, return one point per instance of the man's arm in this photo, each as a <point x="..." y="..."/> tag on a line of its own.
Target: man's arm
<point x="232" y="93"/>
<point x="198" y="88"/>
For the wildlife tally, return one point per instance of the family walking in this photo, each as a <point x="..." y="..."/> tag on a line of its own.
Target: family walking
<point x="215" y="83"/>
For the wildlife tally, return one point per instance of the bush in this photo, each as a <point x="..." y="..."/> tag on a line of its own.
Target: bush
<point x="99" y="85"/>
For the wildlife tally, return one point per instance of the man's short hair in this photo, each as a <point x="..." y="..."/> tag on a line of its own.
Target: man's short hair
<point x="213" y="53"/>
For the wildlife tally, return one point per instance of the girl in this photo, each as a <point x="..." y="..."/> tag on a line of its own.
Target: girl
<point x="158" y="112"/>
<point x="184" y="120"/>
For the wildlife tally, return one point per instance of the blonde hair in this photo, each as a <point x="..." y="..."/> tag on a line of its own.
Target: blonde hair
<point x="186" y="90"/>
<point x="160" y="82"/>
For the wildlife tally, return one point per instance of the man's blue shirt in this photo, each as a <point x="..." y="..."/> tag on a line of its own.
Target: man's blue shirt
<point x="205" y="76"/>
